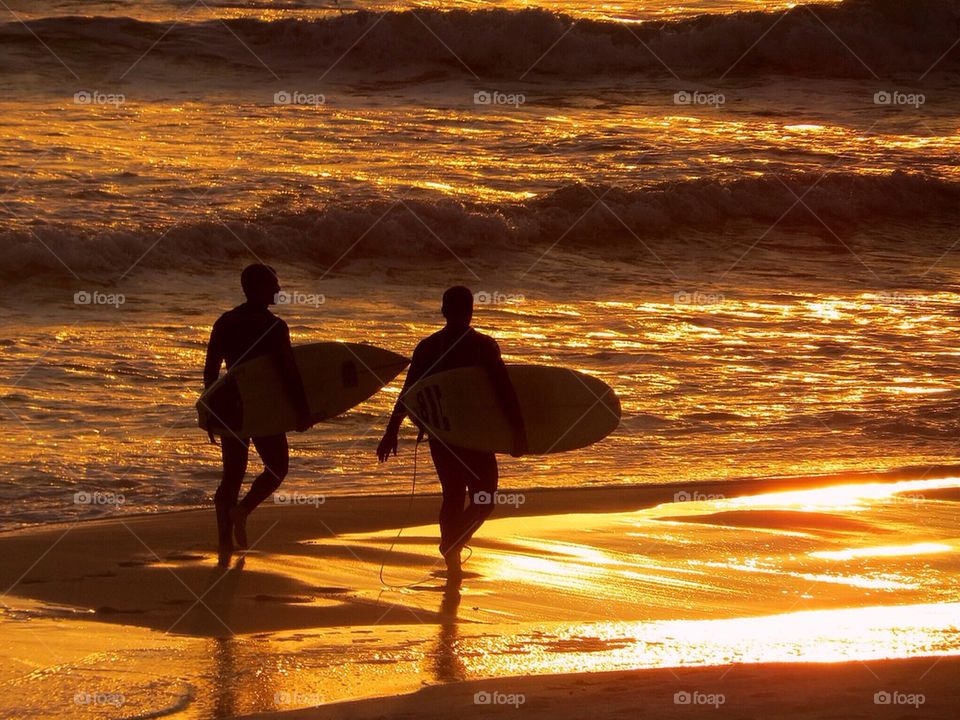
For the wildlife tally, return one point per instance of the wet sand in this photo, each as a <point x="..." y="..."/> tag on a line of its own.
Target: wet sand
<point x="128" y="617"/>
<point x="924" y="688"/>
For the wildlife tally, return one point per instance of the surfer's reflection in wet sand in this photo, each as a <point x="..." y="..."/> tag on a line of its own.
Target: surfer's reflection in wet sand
<point x="460" y="470"/>
<point x="250" y="330"/>
<point x="447" y="665"/>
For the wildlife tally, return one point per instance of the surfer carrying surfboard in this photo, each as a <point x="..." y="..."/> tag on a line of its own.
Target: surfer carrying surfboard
<point x="248" y="331"/>
<point x="461" y="471"/>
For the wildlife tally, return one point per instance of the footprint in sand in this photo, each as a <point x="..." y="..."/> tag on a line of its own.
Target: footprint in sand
<point x="170" y="557"/>
<point x="108" y="610"/>
<point x="285" y="599"/>
<point x="185" y="556"/>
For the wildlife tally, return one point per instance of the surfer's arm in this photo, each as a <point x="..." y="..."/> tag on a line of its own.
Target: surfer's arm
<point x="414" y="373"/>
<point x="507" y="397"/>
<point x="388" y="444"/>
<point x="215" y="357"/>
<point x="211" y="366"/>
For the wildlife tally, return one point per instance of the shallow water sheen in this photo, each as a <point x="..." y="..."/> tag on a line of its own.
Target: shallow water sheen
<point x="740" y="383"/>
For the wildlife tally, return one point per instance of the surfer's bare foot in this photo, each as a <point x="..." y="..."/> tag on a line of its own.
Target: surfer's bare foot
<point x="224" y="553"/>
<point x="454" y="568"/>
<point x="239" y="518"/>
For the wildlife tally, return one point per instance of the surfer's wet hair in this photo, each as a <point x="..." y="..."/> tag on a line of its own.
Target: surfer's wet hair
<point x="256" y="278"/>
<point x="457" y="302"/>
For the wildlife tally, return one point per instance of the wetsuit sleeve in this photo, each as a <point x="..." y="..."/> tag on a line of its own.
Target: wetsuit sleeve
<point x="289" y="370"/>
<point x="215" y="355"/>
<point x="414" y="373"/>
<point x="502" y="385"/>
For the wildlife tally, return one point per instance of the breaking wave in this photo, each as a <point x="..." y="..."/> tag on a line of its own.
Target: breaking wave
<point x="580" y="215"/>
<point x="855" y="38"/>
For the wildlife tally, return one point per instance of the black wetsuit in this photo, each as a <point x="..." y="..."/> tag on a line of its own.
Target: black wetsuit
<point x="241" y="334"/>
<point x="461" y="470"/>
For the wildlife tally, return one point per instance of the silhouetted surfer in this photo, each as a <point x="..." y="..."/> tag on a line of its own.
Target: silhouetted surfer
<point x="460" y="470"/>
<point x="248" y="331"/>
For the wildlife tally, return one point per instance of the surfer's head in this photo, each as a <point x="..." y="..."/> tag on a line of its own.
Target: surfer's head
<point x="457" y="306"/>
<point x="260" y="284"/>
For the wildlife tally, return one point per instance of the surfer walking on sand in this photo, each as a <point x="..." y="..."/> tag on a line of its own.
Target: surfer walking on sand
<point x="250" y="330"/>
<point x="461" y="471"/>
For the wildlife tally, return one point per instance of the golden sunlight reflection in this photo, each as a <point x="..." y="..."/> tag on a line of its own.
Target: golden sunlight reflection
<point x="427" y="151"/>
<point x="885" y="551"/>
<point x="843" y="497"/>
<point x="820" y="636"/>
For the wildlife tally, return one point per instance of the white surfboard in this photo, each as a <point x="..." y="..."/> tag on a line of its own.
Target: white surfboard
<point x="251" y="399"/>
<point x="562" y="409"/>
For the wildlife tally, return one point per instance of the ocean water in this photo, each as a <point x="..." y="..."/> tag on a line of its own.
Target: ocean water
<point x="741" y="215"/>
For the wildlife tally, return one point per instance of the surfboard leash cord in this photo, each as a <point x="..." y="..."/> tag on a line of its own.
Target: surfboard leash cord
<point x="406" y="517"/>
